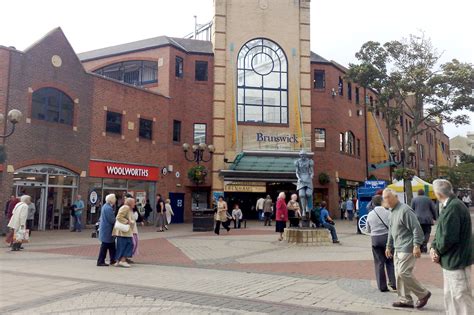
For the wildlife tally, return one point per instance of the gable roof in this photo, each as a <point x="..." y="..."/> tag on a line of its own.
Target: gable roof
<point x="317" y="58"/>
<point x="184" y="44"/>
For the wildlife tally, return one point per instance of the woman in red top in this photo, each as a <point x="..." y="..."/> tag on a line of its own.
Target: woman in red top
<point x="281" y="215"/>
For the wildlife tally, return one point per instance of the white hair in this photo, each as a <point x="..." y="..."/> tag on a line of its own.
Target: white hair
<point x="390" y="191"/>
<point x="25" y="198"/>
<point x="443" y="187"/>
<point x="281" y="195"/>
<point x="110" y="198"/>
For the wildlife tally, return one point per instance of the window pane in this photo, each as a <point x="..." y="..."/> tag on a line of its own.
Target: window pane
<point x="136" y="72"/>
<point x="52" y="105"/>
<point x="199" y="133"/>
<point x="253" y="96"/>
<point x="240" y="113"/>
<point x="271" y="98"/>
<point x="114" y="123"/>
<point x="240" y="96"/>
<point x="66" y="111"/>
<point x="253" y="79"/>
<point x="179" y="67"/>
<point x="253" y="113"/>
<point x="176" y="131"/>
<point x="319" y="138"/>
<point x="272" y="80"/>
<point x="284" y="115"/>
<point x="146" y="128"/>
<point x="201" y="71"/>
<point x="319" y="79"/>
<point x="271" y="115"/>
<point x="240" y="77"/>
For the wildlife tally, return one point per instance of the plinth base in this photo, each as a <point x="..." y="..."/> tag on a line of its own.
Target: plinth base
<point x="307" y="236"/>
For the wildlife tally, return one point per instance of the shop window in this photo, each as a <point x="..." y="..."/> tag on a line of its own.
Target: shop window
<point x="341" y="86"/>
<point x="179" y="67"/>
<point x="136" y="72"/>
<point x="200" y="71"/>
<point x="319" y="79"/>
<point x="357" y="96"/>
<point x="199" y="134"/>
<point x="146" y="128"/>
<point x="319" y="138"/>
<point x="262" y="83"/>
<point x="176" y="131"/>
<point x="114" y="123"/>
<point x="52" y="105"/>
<point x="349" y="91"/>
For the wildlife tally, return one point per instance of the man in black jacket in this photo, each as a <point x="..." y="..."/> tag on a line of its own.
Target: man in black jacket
<point x="426" y="214"/>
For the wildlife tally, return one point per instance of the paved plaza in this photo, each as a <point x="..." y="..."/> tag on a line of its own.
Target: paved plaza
<point x="178" y="272"/>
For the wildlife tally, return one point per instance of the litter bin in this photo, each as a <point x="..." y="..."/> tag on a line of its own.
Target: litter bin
<point x="203" y="220"/>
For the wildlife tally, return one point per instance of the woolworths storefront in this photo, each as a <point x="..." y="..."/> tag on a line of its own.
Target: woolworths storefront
<point x="111" y="177"/>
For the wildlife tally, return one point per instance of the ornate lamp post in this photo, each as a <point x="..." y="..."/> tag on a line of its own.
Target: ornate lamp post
<point x="14" y="117"/>
<point x="198" y="151"/>
<point x="404" y="159"/>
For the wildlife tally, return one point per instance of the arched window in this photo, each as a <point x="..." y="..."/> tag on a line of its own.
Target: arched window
<point x="349" y="143"/>
<point x="262" y="83"/>
<point x="136" y="72"/>
<point x="52" y="105"/>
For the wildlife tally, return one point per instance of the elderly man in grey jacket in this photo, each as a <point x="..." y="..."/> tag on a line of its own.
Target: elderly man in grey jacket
<point x="426" y="213"/>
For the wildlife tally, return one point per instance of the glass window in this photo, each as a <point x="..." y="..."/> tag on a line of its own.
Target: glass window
<point x="357" y="95"/>
<point x="262" y="83"/>
<point x="199" y="133"/>
<point x="200" y="71"/>
<point x="319" y="79"/>
<point x="114" y="123"/>
<point x="341" y="142"/>
<point x="349" y="143"/>
<point x="340" y="86"/>
<point x="115" y="183"/>
<point x="136" y="72"/>
<point x="179" y="70"/>
<point x="52" y="105"/>
<point x="176" y="131"/>
<point x="146" y="128"/>
<point x="349" y="91"/>
<point x="319" y="138"/>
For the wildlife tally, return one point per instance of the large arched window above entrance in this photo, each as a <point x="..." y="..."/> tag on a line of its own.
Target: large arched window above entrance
<point x="52" y="105"/>
<point x="262" y="83"/>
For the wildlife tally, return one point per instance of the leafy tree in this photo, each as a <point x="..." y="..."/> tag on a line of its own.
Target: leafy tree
<point x="410" y="68"/>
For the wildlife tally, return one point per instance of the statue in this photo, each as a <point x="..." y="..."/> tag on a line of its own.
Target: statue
<point x="304" y="173"/>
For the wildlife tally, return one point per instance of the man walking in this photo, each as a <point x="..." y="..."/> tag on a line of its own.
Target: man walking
<point x="405" y="236"/>
<point x="426" y="213"/>
<point x="78" y="207"/>
<point x="350" y="208"/>
<point x="259" y="208"/>
<point x="267" y="210"/>
<point x="452" y="249"/>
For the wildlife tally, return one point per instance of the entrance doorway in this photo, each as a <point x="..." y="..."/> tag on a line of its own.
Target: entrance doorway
<point x="52" y="190"/>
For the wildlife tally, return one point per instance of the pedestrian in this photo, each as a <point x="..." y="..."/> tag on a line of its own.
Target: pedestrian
<point x="106" y="226"/>
<point x="350" y="209"/>
<point x="281" y="215"/>
<point x="294" y="212"/>
<point x="405" y="237"/>
<point x="160" y="210"/>
<point x="31" y="216"/>
<point x="18" y="222"/>
<point x="221" y="216"/>
<point x="78" y="207"/>
<point x="467" y="200"/>
<point x="138" y="218"/>
<point x="11" y="205"/>
<point x="123" y="230"/>
<point x="267" y="210"/>
<point x="148" y="211"/>
<point x="378" y="221"/>
<point x="237" y="216"/>
<point x="342" y="208"/>
<point x="452" y="249"/>
<point x="328" y="222"/>
<point x="426" y="213"/>
<point x="370" y="206"/>
<point x="169" y="212"/>
<point x="4" y="227"/>
<point x="259" y="208"/>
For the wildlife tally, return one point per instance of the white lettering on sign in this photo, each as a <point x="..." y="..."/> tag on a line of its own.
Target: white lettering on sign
<point x="127" y="171"/>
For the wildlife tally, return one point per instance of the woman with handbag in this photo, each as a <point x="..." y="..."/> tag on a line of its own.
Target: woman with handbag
<point x="281" y="215"/>
<point x="18" y="222"/>
<point x="123" y="230"/>
<point x="378" y="221"/>
<point x="221" y="215"/>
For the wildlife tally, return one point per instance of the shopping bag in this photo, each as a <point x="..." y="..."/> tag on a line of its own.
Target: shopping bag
<point x="21" y="236"/>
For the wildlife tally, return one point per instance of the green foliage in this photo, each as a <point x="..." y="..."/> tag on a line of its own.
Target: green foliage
<point x="323" y="178"/>
<point x="467" y="158"/>
<point x="460" y="176"/>
<point x="197" y="174"/>
<point x="404" y="173"/>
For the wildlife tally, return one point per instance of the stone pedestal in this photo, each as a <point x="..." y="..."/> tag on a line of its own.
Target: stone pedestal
<point x="307" y="236"/>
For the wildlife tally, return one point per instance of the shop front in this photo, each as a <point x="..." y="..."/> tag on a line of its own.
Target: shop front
<point x="107" y="177"/>
<point x="348" y="188"/>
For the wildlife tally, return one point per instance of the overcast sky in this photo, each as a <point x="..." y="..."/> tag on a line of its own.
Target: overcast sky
<point x="338" y="28"/>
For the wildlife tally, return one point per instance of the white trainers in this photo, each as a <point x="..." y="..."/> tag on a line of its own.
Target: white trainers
<point x="123" y="264"/>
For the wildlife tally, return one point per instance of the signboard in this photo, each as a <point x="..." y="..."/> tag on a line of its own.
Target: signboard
<point x="380" y="184"/>
<point x="93" y="197"/>
<point x="123" y="171"/>
<point x="254" y="187"/>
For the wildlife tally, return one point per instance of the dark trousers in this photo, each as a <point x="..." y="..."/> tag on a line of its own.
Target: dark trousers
<point x="260" y="212"/>
<point x="331" y="229"/>
<point x="268" y="218"/>
<point x="382" y="263"/>
<point x="29" y="225"/>
<point x="294" y="222"/>
<point x="104" y="247"/>
<point x="350" y="214"/>
<point x="343" y="214"/>
<point x="427" y="232"/>
<point x="224" y="225"/>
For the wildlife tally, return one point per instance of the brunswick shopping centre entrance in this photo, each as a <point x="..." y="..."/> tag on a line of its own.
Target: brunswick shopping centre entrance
<point x="52" y="190"/>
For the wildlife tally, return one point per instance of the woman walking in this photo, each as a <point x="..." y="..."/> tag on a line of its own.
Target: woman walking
<point x="378" y="221"/>
<point x="221" y="215"/>
<point x="160" y="210"/>
<point x="123" y="230"/>
<point x="148" y="211"/>
<point x="294" y="213"/>
<point x="169" y="212"/>
<point x="281" y="215"/>
<point x="18" y="221"/>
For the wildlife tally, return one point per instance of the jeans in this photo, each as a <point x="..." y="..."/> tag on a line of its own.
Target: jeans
<point x="331" y="229"/>
<point x="77" y="222"/>
<point x="260" y="215"/>
<point x="236" y="224"/>
<point x="104" y="247"/>
<point x="224" y="224"/>
<point x="350" y="214"/>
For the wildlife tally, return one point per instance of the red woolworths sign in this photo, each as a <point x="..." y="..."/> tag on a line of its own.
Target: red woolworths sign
<point x="123" y="171"/>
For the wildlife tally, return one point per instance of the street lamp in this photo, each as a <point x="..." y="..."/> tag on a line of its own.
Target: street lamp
<point x="198" y="157"/>
<point x="13" y="117"/>
<point x="403" y="158"/>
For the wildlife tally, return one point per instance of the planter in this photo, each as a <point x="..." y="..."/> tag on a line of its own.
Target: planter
<point x="203" y="220"/>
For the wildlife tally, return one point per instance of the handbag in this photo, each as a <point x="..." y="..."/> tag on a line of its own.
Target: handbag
<point x="121" y="227"/>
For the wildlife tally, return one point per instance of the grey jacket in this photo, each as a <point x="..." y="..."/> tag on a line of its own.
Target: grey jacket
<point x="424" y="209"/>
<point x="404" y="229"/>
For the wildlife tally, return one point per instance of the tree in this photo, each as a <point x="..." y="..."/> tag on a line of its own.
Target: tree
<point x="410" y="68"/>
